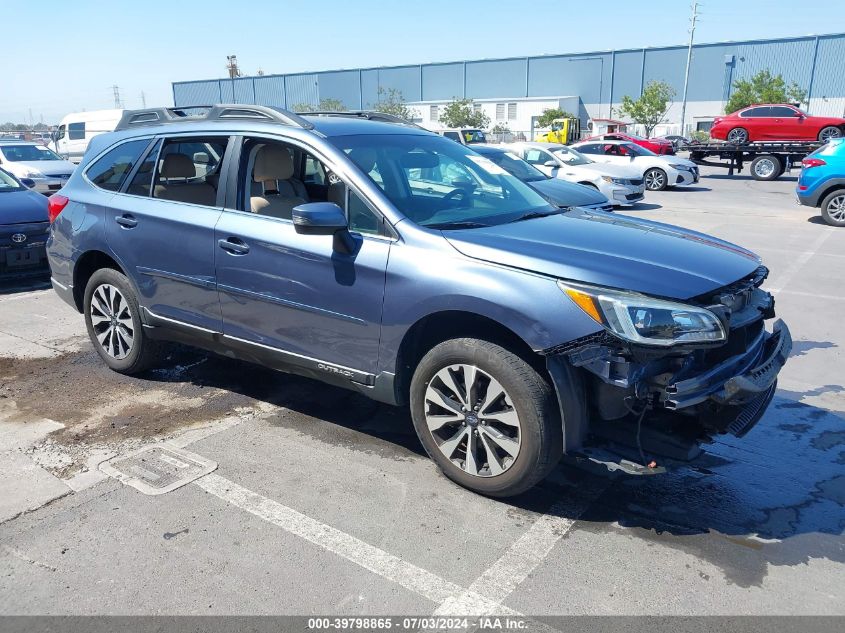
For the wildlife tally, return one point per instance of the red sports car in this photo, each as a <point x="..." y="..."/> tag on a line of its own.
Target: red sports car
<point x="656" y="145"/>
<point x="775" y="122"/>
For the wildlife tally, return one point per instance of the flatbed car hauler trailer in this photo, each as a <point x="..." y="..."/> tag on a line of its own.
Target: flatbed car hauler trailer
<point x="769" y="160"/>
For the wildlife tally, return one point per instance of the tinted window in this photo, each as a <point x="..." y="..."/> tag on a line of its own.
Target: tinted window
<point x="75" y="131"/>
<point x="592" y="148"/>
<point x="109" y="171"/>
<point x="783" y="111"/>
<point x="452" y="135"/>
<point x="757" y="112"/>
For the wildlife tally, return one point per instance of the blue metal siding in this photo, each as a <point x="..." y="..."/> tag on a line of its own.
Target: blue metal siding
<point x="340" y="85"/>
<point x="626" y="75"/>
<point x="442" y="82"/>
<point x="302" y="89"/>
<point x="548" y="76"/>
<point x="570" y="75"/>
<point x="270" y="91"/>
<point x="196" y="93"/>
<point x="486" y="80"/>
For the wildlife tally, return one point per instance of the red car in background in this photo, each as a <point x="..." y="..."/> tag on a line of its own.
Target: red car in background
<point x="775" y="122"/>
<point x="656" y="145"/>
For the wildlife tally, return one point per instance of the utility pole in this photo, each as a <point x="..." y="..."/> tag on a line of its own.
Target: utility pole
<point x="693" y="19"/>
<point x="143" y="100"/>
<point x="116" y="90"/>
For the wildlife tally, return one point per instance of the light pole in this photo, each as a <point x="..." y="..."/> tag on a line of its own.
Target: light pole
<point x="601" y="72"/>
<point x="689" y="59"/>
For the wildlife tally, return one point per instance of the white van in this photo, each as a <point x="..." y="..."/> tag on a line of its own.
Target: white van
<point x="71" y="138"/>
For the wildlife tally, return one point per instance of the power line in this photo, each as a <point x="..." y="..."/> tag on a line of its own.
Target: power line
<point x="693" y="19"/>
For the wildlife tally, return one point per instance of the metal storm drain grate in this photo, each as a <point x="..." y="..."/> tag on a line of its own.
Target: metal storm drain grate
<point x="157" y="469"/>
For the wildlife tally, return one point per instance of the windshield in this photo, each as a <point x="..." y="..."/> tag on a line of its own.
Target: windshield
<point x="438" y="183"/>
<point x="526" y="172"/>
<point x="636" y="150"/>
<point x="7" y="183"/>
<point x="571" y="157"/>
<point x="16" y="153"/>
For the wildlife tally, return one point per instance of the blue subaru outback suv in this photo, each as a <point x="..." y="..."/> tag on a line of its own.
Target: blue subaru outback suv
<point x="392" y="261"/>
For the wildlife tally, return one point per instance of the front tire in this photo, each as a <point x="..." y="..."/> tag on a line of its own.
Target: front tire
<point x="486" y="417"/>
<point x="656" y="179"/>
<point x="113" y="319"/>
<point x="833" y="208"/>
<point x="829" y="132"/>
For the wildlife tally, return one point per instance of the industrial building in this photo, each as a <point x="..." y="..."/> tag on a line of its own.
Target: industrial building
<point x="514" y="91"/>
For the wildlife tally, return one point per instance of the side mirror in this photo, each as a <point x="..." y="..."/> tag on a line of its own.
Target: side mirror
<point x="324" y="218"/>
<point x="550" y="163"/>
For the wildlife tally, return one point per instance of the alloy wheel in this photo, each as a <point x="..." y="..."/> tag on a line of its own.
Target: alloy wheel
<point x="472" y="420"/>
<point x="836" y="208"/>
<point x="829" y="133"/>
<point x="655" y="180"/>
<point x="738" y="136"/>
<point x="764" y="168"/>
<point x="111" y="319"/>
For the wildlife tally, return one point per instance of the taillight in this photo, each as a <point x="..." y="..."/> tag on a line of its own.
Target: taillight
<point x="55" y="205"/>
<point x="812" y="162"/>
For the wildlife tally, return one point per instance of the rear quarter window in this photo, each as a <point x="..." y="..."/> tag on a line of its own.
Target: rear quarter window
<point x="111" y="169"/>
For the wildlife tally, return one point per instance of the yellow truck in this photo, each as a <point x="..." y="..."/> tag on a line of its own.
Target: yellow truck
<point x="563" y="131"/>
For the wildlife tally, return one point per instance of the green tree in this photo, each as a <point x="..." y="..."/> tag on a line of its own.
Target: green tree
<point x="391" y="101"/>
<point x="326" y="105"/>
<point x="460" y="113"/>
<point x="650" y="109"/>
<point x="764" y="88"/>
<point x="549" y="115"/>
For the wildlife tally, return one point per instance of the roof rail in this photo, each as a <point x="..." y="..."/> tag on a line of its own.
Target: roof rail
<point x="372" y="115"/>
<point x="219" y="112"/>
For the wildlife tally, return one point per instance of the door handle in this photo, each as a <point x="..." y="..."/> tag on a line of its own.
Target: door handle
<point x="234" y="246"/>
<point x="127" y="221"/>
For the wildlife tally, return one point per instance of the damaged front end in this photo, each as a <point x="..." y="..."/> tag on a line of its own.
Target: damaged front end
<point x="649" y="398"/>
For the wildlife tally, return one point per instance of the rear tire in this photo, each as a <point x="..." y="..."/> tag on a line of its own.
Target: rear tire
<point x="508" y="415"/>
<point x="829" y="132"/>
<point x="113" y="319"/>
<point x="738" y="136"/>
<point x="833" y="208"/>
<point x="766" y="167"/>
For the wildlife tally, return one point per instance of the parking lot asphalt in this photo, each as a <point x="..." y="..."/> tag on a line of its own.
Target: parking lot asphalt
<point x="323" y="502"/>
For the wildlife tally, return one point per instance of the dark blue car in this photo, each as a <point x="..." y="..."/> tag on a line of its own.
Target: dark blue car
<point x="23" y="229"/>
<point x="397" y="263"/>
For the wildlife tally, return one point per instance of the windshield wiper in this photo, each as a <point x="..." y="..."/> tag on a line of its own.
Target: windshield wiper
<point x="541" y="214"/>
<point x="457" y="224"/>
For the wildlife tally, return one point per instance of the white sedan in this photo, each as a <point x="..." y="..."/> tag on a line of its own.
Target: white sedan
<point x="622" y="185"/>
<point x="658" y="172"/>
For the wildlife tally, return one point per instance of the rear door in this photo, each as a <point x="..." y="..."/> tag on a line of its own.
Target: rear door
<point x="161" y="227"/>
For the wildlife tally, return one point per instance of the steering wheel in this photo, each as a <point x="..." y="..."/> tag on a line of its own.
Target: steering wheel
<point x="456" y="195"/>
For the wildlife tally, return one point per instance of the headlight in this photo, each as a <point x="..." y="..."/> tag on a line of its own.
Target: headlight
<point x="642" y="319"/>
<point x="681" y="167"/>
<point x="615" y="181"/>
<point x="31" y="173"/>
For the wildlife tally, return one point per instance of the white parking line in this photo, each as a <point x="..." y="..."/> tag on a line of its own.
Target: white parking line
<point x="522" y="558"/>
<point x="786" y="276"/>
<point x="386" y="565"/>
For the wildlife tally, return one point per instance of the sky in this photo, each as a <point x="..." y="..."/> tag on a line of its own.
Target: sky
<point x="70" y="54"/>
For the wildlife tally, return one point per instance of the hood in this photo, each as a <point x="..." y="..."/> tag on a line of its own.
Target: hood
<point x="46" y="167"/>
<point x="611" y="250"/>
<point x="567" y="194"/>
<point x="21" y="207"/>
<point x="615" y="171"/>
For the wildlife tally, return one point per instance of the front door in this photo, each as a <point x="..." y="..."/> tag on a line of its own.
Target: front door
<point x="161" y="226"/>
<point x="292" y="293"/>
